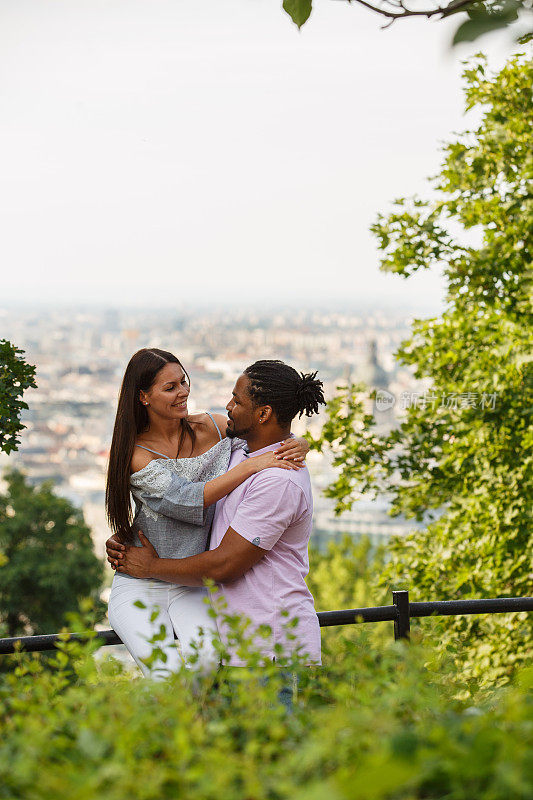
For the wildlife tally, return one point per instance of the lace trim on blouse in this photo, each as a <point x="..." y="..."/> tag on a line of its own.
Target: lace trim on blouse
<point x="173" y="484"/>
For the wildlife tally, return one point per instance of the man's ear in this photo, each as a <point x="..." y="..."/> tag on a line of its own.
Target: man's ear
<point x="265" y="414"/>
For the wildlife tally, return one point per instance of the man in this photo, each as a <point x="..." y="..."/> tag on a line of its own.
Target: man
<point x="258" y="552"/>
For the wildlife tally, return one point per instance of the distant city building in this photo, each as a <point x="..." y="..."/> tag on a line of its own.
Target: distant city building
<point x="81" y="357"/>
<point x="370" y="371"/>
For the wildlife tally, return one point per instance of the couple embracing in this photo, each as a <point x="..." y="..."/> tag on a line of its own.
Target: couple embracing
<point x="225" y="499"/>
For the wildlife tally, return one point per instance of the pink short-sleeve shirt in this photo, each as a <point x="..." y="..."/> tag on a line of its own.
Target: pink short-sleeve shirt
<point x="272" y="510"/>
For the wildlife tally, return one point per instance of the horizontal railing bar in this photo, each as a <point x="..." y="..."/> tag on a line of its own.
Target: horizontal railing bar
<point x="326" y="619"/>
<point x="352" y="615"/>
<point x="446" y="608"/>
<point x="47" y="641"/>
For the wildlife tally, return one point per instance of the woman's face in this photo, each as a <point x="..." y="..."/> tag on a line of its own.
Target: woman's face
<point x="167" y="397"/>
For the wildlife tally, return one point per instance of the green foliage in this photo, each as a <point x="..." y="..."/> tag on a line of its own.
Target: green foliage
<point x="361" y="454"/>
<point x="15" y="377"/>
<point x="466" y="464"/>
<point x="376" y="725"/>
<point x="347" y="576"/>
<point x="48" y="564"/>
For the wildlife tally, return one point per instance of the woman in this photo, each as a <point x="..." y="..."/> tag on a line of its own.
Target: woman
<point x="175" y="466"/>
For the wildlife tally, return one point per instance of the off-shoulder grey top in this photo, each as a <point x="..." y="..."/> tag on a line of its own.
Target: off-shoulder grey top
<point x="169" y="500"/>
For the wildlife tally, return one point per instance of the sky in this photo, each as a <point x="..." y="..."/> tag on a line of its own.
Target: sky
<point x="171" y="152"/>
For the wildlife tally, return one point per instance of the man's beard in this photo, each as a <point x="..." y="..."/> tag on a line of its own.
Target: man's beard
<point x="233" y="433"/>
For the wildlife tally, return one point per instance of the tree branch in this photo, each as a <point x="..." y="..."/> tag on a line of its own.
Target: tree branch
<point x="445" y="11"/>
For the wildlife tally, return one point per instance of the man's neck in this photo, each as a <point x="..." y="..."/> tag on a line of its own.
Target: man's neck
<point x="260" y="440"/>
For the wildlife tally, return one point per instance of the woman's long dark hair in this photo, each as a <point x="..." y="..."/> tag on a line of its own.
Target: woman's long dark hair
<point x="132" y="420"/>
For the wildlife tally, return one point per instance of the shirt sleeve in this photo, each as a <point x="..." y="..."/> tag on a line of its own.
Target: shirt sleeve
<point x="169" y="494"/>
<point x="269" y="506"/>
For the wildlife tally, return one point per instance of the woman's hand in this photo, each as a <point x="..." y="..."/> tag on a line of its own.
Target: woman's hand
<point x="114" y="549"/>
<point x="270" y="459"/>
<point x="293" y="449"/>
<point x="135" y="561"/>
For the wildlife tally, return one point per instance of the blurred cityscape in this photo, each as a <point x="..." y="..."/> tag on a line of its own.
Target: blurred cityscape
<point x="81" y="356"/>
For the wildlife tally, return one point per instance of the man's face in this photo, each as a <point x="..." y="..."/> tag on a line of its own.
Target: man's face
<point x="242" y="417"/>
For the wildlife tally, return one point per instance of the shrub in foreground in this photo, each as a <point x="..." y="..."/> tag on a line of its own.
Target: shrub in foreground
<point x="383" y="724"/>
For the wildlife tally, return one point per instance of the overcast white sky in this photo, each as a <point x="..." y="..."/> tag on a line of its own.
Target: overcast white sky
<point x="155" y="152"/>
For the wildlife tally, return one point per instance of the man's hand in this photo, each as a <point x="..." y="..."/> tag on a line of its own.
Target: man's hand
<point x="135" y="561"/>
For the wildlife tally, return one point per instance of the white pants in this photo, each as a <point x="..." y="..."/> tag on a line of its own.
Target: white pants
<point x="181" y="609"/>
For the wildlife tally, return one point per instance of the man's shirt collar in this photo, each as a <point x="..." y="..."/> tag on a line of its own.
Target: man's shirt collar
<point x="264" y="449"/>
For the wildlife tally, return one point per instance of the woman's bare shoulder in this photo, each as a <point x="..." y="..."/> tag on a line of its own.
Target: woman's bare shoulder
<point x="140" y="459"/>
<point x="205" y="419"/>
<point x="222" y="422"/>
<point x="199" y="419"/>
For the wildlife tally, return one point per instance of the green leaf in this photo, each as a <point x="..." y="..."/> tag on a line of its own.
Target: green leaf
<point x="298" y="10"/>
<point x="482" y="21"/>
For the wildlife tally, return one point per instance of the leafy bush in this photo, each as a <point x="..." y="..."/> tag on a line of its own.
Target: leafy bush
<point x="15" y="377"/>
<point x="347" y="576"/>
<point x="385" y="724"/>
<point x="462" y="458"/>
<point x="47" y="561"/>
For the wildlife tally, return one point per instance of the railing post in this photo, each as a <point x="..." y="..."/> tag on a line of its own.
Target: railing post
<point x="402" y="625"/>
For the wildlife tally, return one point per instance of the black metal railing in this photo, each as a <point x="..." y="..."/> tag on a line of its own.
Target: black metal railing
<point x="400" y="612"/>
